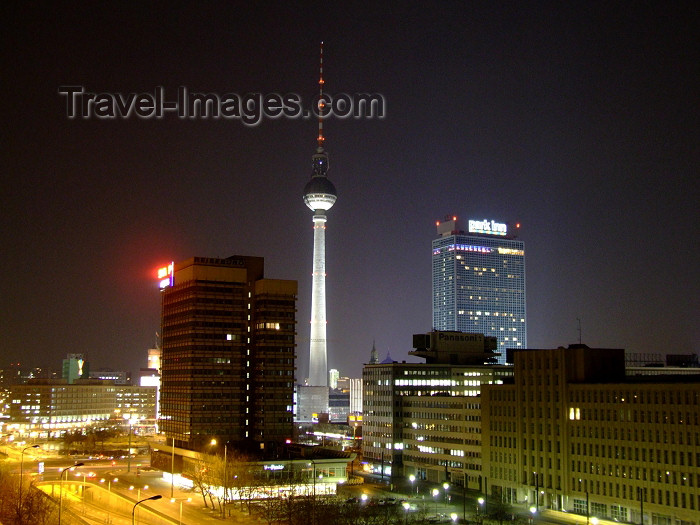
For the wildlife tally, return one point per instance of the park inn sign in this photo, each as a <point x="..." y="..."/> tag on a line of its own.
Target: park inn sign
<point x="488" y="227"/>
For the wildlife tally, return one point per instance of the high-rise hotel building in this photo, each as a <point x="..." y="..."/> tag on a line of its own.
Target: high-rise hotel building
<point x="479" y="282"/>
<point x="228" y="353"/>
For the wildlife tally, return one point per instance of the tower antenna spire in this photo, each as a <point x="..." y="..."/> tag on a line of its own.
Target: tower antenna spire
<point x="321" y="101"/>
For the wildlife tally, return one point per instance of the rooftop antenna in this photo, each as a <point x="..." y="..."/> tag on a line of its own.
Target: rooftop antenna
<point x="579" y="329"/>
<point x="321" y="102"/>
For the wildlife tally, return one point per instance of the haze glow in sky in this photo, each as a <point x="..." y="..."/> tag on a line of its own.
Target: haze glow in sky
<point x="580" y="122"/>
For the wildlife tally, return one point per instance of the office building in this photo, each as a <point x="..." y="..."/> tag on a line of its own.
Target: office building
<point x="479" y="281"/>
<point x="338" y="405"/>
<point x="319" y="196"/>
<point x="75" y="367"/>
<point x="51" y="407"/>
<point x="333" y="376"/>
<point x="355" y="395"/>
<point x="118" y="377"/>
<point x="154" y="356"/>
<point x="573" y="432"/>
<point x="311" y="404"/>
<point x="423" y="419"/>
<point x="228" y="353"/>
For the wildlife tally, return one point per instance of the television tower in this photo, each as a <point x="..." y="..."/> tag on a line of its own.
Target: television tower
<point x="319" y="196"/>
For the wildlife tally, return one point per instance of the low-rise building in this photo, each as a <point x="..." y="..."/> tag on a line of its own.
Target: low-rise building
<point x="423" y="419"/>
<point x="52" y="407"/>
<point x="573" y="432"/>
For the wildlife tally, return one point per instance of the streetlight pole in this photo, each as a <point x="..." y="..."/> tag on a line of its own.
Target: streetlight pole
<point x="60" y="488"/>
<point x="223" y="507"/>
<point x="133" y="510"/>
<point x="181" y="500"/>
<point x="436" y="492"/>
<point x="172" y="469"/>
<point x="537" y="491"/>
<point x="411" y="478"/>
<point x="21" y="472"/>
<point x="588" y="509"/>
<point x="314" y="474"/>
<point x="129" y="418"/>
<point x="446" y="486"/>
<point x="109" y="490"/>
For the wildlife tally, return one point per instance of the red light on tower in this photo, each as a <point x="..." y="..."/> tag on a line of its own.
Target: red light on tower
<point x="454" y="217"/>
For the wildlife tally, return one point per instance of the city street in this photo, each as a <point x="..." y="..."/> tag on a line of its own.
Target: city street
<point x="113" y="486"/>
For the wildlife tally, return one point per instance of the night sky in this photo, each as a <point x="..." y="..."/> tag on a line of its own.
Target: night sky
<point x="580" y="120"/>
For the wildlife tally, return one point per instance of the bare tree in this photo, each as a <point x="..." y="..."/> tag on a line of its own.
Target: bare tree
<point x="36" y="507"/>
<point x="199" y="473"/>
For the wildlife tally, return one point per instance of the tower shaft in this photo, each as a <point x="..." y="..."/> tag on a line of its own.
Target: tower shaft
<point x="317" y="358"/>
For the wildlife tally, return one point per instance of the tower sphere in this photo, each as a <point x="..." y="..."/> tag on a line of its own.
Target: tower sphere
<point x="319" y="194"/>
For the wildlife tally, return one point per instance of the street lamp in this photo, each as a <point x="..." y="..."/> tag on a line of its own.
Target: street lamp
<point x="223" y="507"/>
<point x="411" y="478"/>
<point x="109" y="490"/>
<point x="130" y="418"/>
<point x="436" y="492"/>
<point x="537" y="491"/>
<point x="60" y="488"/>
<point x="181" y="500"/>
<point x="406" y="505"/>
<point x="446" y="486"/>
<point x="138" y="491"/>
<point x="588" y="507"/>
<point x="213" y="443"/>
<point x="133" y="510"/>
<point x="533" y="511"/>
<point x="109" y="483"/>
<point x="480" y="507"/>
<point x="313" y="507"/>
<point x="172" y="469"/>
<point x="21" y="472"/>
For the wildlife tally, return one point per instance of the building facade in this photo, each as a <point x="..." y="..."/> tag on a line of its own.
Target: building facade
<point x="75" y="367"/>
<point x="228" y="353"/>
<point x="569" y="434"/>
<point x="478" y="281"/>
<point x="52" y="407"/>
<point x="311" y="403"/>
<point x="423" y="419"/>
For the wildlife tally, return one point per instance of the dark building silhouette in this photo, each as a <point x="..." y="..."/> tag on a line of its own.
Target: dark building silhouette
<point x="228" y="354"/>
